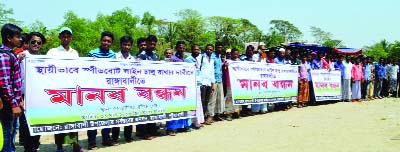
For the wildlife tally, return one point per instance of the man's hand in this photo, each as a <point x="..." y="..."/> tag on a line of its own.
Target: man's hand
<point x="21" y="56"/>
<point x="16" y="111"/>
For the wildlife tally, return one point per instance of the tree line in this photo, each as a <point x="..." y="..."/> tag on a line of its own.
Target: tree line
<point x="190" y="27"/>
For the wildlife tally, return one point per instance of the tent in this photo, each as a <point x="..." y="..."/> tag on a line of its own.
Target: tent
<point x="348" y="51"/>
<point x="313" y="47"/>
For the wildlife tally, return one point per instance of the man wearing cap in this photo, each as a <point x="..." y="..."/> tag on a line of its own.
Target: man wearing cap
<point x="281" y="58"/>
<point x="64" y="50"/>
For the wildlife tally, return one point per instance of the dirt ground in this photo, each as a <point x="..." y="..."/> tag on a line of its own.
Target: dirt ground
<point x="372" y="126"/>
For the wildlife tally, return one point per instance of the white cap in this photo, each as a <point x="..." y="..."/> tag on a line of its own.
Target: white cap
<point x="228" y="50"/>
<point x="281" y="50"/>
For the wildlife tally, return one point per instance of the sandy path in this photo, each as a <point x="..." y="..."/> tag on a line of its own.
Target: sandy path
<point x="371" y="126"/>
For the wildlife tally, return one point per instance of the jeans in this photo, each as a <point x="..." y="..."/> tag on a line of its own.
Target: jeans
<point x="7" y="122"/>
<point x="378" y="87"/>
<point x="259" y="107"/>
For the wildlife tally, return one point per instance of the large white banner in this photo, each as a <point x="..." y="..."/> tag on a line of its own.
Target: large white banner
<point x="65" y="95"/>
<point x="257" y="83"/>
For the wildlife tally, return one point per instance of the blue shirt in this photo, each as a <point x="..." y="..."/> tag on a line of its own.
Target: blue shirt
<point x="279" y="60"/>
<point x="244" y="57"/>
<point x="217" y="67"/>
<point x="340" y="66"/>
<point x="367" y="71"/>
<point x="379" y="71"/>
<point x="97" y="53"/>
<point x="385" y="71"/>
<point x="316" y="64"/>
<point x="144" y="55"/>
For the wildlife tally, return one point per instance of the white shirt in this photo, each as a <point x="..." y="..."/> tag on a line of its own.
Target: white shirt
<point x="347" y="69"/>
<point x="22" y="67"/>
<point x="207" y="70"/>
<point x="61" y="52"/>
<point x="119" y="56"/>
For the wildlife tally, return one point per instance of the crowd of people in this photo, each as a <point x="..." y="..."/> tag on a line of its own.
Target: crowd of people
<point x="362" y="80"/>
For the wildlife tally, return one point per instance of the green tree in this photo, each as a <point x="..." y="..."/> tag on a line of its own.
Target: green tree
<point x="120" y="23"/>
<point x="378" y="50"/>
<point x="273" y="39"/>
<point x="394" y="50"/>
<point x="148" y="21"/>
<point x="286" y="29"/>
<point x="325" y="38"/>
<point x="190" y="26"/>
<point x="85" y="36"/>
<point x="166" y="30"/>
<point x="5" y="15"/>
<point x="224" y="29"/>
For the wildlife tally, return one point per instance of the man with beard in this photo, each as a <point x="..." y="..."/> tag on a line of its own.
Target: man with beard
<point x="195" y="57"/>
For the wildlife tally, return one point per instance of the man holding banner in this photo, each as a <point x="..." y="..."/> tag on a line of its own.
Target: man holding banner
<point x="107" y="38"/>
<point x="64" y="50"/>
<point x="125" y="45"/>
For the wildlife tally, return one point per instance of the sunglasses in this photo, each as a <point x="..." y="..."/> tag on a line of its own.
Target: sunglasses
<point x="36" y="42"/>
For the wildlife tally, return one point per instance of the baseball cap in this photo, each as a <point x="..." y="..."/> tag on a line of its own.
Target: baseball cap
<point x="65" y="29"/>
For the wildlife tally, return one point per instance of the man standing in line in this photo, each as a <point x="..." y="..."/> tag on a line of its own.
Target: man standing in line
<point x="36" y="42"/>
<point x="181" y="124"/>
<point x="208" y="79"/>
<point x="10" y="82"/>
<point x="195" y="57"/>
<point x="148" y="131"/>
<point x="107" y="38"/>
<point x="216" y="106"/>
<point x="126" y="45"/>
<point x="65" y="50"/>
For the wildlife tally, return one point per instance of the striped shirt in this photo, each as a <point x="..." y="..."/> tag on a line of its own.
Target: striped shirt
<point x="97" y="53"/>
<point x="10" y="81"/>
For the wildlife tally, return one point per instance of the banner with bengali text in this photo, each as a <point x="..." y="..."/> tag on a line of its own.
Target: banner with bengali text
<point x="326" y="84"/>
<point x="67" y="95"/>
<point x="258" y="83"/>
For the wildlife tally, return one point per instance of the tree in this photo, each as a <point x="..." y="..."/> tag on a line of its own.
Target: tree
<point x="85" y="36"/>
<point x="320" y="35"/>
<point x="273" y="39"/>
<point x="286" y="29"/>
<point x="5" y="15"/>
<point x="394" y="50"/>
<point x="190" y="26"/>
<point x="225" y="29"/>
<point x="148" y="21"/>
<point x="325" y="38"/>
<point x="167" y="32"/>
<point x="378" y="50"/>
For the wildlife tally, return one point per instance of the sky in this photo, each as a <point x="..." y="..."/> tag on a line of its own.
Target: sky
<point x="356" y="22"/>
